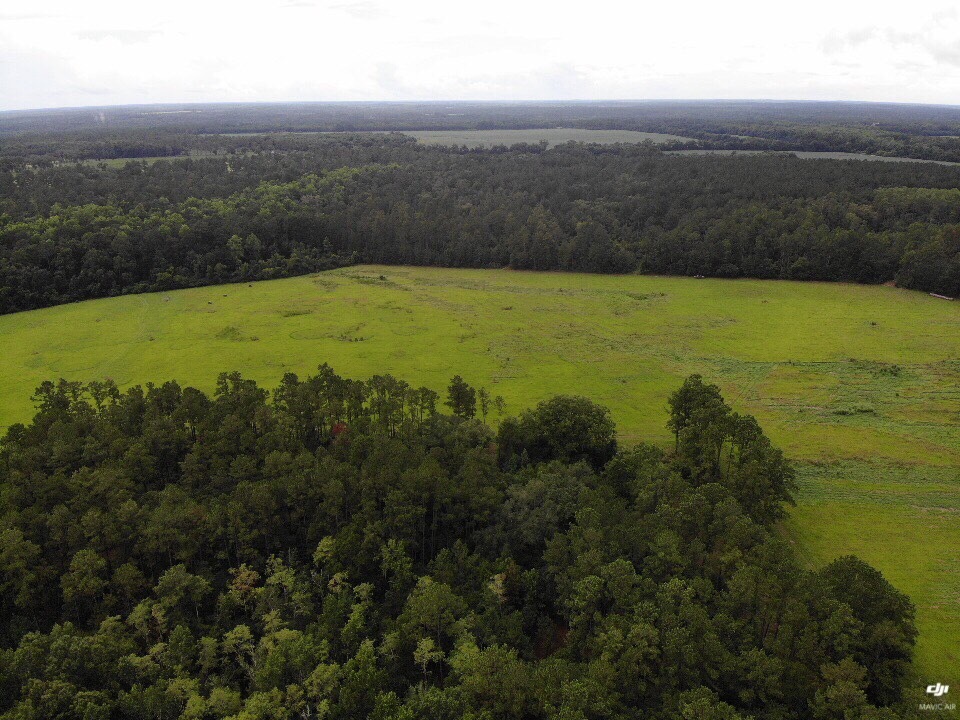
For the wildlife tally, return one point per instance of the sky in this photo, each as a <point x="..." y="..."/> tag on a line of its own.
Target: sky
<point x="64" y="53"/>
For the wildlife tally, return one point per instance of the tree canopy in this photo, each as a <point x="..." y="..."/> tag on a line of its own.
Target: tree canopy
<point x="261" y="207"/>
<point x="337" y="548"/>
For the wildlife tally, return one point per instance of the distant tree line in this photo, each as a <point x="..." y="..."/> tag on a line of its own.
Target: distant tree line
<point x="322" y="204"/>
<point x="918" y="131"/>
<point x="343" y="549"/>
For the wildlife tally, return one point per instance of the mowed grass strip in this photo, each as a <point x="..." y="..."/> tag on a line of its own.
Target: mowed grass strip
<point x="121" y="162"/>
<point x="859" y="384"/>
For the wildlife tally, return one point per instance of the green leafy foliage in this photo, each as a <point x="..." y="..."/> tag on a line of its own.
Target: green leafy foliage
<point x="340" y="549"/>
<point x="277" y="206"/>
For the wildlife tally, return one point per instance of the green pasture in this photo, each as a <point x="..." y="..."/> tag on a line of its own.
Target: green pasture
<point x="489" y="138"/>
<point x="553" y="136"/>
<point x="121" y="162"/>
<point x="812" y="155"/>
<point x="859" y="384"/>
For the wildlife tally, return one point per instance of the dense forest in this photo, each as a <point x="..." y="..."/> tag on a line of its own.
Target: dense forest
<point x="267" y="206"/>
<point x="345" y="549"/>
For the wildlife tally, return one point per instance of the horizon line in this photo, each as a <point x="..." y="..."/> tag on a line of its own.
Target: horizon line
<point x="574" y="101"/>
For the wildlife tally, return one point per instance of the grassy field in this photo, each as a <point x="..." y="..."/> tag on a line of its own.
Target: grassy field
<point x="813" y="155"/>
<point x="489" y="138"/>
<point x="120" y="162"/>
<point x="860" y="385"/>
<point x="553" y="136"/>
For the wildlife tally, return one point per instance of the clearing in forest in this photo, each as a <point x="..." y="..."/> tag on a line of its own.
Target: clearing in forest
<point x="859" y="384"/>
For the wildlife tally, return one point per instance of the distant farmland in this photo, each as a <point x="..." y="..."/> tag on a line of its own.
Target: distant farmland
<point x="489" y="138"/>
<point x="859" y="384"/>
<point x="812" y="155"/>
<point x="553" y="136"/>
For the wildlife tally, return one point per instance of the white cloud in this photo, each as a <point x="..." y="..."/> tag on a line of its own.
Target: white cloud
<point x="59" y="52"/>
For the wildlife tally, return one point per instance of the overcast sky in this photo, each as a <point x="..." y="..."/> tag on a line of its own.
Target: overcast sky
<point x="57" y="53"/>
